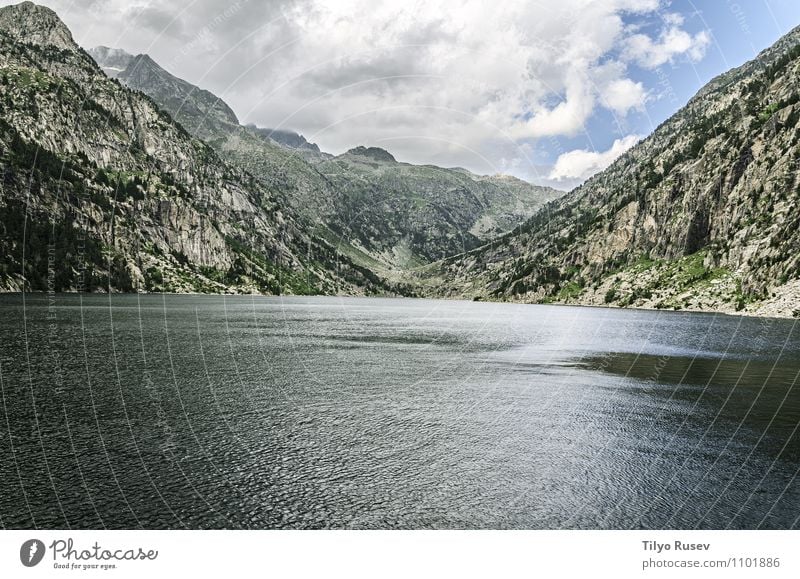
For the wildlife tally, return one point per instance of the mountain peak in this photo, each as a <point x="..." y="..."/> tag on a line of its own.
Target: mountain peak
<point x="112" y="60"/>
<point x="146" y="59"/>
<point x="189" y="104"/>
<point x="284" y="137"/>
<point x="30" y="23"/>
<point x="374" y="153"/>
<point x="143" y="64"/>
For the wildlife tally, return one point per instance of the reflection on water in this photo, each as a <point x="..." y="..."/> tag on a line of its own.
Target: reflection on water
<point x="248" y="412"/>
<point x="757" y="394"/>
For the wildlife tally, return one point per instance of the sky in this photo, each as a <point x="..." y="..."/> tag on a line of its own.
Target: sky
<point x="549" y="91"/>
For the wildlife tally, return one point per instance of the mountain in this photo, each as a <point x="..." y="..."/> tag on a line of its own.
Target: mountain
<point x="199" y="111"/>
<point x="386" y="215"/>
<point x="288" y="139"/>
<point x="373" y="154"/>
<point x="29" y="23"/>
<point x="408" y="215"/>
<point x="703" y="214"/>
<point x="114" y="60"/>
<point x="103" y="190"/>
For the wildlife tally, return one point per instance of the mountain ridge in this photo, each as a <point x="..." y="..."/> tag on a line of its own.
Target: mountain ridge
<point x="103" y="191"/>
<point x="173" y="194"/>
<point x="699" y="215"/>
<point x="389" y="216"/>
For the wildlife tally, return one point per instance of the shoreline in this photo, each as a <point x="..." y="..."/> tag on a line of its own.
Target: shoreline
<point x="743" y="313"/>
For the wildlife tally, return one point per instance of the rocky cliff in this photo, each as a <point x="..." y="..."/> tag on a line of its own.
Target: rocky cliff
<point x="102" y="190"/>
<point x="198" y="111"/>
<point x="703" y="214"/>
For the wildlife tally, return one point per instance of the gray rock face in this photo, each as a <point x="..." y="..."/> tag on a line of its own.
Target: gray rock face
<point x="288" y="139"/>
<point x="374" y="153"/>
<point x="198" y="110"/>
<point x="703" y="214"/>
<point x="102" y="189"/>
<point x="30" y="23"/>
<point x="201" y="112"/>
<point x="246" y="210"/>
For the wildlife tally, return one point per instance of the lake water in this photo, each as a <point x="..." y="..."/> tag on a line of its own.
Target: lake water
<point x="155" y="411"/>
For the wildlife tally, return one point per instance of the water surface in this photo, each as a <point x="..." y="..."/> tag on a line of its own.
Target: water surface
<point x="154" y="411"/>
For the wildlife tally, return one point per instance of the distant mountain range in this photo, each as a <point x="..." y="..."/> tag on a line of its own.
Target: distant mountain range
<point x="103" y="190"/>
<point x="119" y="175"/>
<point x="137" y="180"/>
<point x="386" y="215"/>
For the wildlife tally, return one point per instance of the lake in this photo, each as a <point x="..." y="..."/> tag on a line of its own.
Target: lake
<point x="162" y="411"/>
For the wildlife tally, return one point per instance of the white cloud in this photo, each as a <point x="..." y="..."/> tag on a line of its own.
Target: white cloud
<point x="672" y="41"/>
<point x="622" y="95"/>
<point x="582" y="164"/>
<point x="458" y="83"/>
<point x="566" y="118"/>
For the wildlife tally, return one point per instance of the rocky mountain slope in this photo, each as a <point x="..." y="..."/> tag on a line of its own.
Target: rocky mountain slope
<point x="288" y="139"/>
<point x="410" y="215"/>
<point x="101" y="189"/>
<point x="703" y="214"/>
<point x="198" y="111"/>
<point x="385" y="215"/>
<point x="114" y="60"/>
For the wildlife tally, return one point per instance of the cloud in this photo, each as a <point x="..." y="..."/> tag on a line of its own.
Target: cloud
<point x="458" y="83"/>
<point x="582" y="164"/>
<point x="673" y="41"/>
<point x="622" y="95"/>
<point x="156" y="19"/>
<point x="468" y="76"/>
<point x="566" y="118"/>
